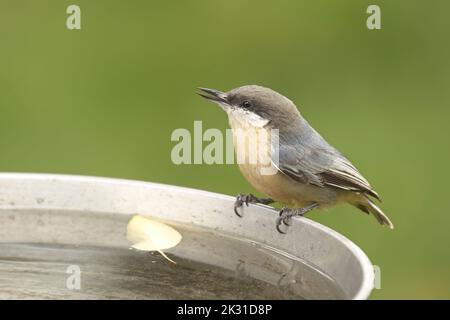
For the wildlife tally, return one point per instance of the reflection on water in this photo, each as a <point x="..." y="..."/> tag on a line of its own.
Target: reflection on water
<point x="209" y="265"/>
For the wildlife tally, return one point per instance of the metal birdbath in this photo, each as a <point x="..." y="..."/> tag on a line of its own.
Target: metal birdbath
<point x="64" y="237"/>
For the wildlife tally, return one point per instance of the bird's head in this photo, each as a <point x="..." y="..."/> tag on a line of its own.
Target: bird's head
<point x="255" y="105"/>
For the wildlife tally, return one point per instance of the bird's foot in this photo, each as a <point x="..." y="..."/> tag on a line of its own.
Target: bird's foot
<point x="286" y="215"/>
<point x="248" y="198"/>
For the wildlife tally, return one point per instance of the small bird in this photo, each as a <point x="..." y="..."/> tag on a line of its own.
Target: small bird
<point x="310" y="173"/>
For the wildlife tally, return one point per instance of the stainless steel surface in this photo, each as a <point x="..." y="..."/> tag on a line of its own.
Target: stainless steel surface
<point x="40" y="211"/>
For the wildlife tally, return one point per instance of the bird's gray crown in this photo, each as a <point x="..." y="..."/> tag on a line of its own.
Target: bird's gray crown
<point x="265" y="102"/>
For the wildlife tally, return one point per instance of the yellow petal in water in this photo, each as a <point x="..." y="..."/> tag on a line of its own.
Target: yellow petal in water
<point x="150" y="235"/>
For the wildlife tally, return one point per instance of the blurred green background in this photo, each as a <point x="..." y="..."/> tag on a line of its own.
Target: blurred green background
<point x="104" y="101"/>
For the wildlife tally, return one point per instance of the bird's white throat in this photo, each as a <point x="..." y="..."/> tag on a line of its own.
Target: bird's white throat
<point x="245" y="119"/>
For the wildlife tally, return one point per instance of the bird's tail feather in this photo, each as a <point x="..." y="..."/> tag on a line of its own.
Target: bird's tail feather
<point x="370" y="207"/>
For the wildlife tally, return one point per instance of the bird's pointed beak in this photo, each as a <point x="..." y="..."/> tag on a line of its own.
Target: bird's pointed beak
<point x="214" y="95"/>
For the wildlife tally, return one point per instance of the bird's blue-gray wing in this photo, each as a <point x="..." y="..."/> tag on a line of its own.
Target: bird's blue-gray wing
<point x="321" y="165"/>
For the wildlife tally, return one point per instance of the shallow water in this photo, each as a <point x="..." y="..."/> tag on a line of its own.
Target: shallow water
<point x="38" y="247"/>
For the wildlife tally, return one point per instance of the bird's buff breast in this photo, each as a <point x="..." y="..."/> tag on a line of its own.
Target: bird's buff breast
<point x="276" y="185"/>
<point x="285" y="190"/>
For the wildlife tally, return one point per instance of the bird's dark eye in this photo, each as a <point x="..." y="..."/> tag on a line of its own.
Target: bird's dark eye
<point x="246" y="104"/>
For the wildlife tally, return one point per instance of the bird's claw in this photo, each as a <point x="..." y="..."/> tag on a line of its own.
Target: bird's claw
<point x="241" y="199"/>
<point x="247" y="199"/>
<point x="278" y="224"/>
<point x="286" y="215"/>
<point x="284" y="218"/>
<point x="237" y="204"/>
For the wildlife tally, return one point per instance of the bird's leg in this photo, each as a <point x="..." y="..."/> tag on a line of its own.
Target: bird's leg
<point x="286" y="215"/>
<point x="248" y="198"/>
